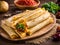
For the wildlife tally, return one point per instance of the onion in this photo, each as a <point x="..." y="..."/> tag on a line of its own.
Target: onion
<point x="4" y="6"/>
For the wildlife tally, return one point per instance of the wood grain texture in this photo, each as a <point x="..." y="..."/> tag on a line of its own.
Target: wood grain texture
<point x="36" y="34"/>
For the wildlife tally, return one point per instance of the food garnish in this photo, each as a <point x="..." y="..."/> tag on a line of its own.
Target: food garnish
<point x="20" y="26"/>
<point x="51" y="7"/>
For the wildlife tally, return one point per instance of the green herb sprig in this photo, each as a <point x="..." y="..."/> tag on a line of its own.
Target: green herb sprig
<point x="20" y="26"/>
<point x="51" y="7"/>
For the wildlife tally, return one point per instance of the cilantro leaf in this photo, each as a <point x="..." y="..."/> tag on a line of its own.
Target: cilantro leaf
<point x="51" y="7"/>
<point x="20" y="26"/>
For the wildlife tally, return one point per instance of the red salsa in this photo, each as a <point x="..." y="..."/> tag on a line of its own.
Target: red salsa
<point x="26" y="2"/>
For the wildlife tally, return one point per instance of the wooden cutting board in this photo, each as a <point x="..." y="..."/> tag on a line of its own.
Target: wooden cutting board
<point x="36" y="34"/>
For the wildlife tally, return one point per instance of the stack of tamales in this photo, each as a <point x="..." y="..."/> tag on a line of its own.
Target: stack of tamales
<point x="26" y="23"/>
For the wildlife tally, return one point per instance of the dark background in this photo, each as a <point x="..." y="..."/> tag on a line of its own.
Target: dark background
<point x="14" y="10"/>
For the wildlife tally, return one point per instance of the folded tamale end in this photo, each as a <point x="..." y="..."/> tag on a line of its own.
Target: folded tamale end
<point x="51" y="20"/>
<point x="22" y="35"/>
<point x="28" y="33"/>
<point x="9" y="31"/>
<point x="14" y="37"/>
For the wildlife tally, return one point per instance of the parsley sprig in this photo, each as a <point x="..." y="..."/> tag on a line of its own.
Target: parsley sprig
<point x="20" y="26"/>
<point x="51" y="7"/>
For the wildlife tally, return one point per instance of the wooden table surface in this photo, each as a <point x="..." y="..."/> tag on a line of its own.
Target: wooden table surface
<point x="13" y="11"/>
